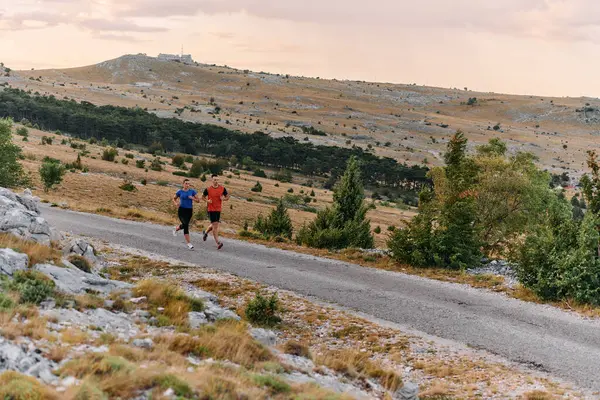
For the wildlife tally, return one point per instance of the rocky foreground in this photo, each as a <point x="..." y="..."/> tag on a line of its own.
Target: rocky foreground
<point x="70" y="332"/>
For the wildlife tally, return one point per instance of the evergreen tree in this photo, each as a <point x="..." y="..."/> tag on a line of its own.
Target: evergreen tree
<point x="345" y="224"/>
<point x="278" y="223"/>
<point x="11" y="172"/>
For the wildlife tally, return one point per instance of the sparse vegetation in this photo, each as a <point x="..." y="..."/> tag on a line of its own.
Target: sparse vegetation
<point x="51" y="173"/>
<point x="11" y="171"/>
<point x="262" y="311"/>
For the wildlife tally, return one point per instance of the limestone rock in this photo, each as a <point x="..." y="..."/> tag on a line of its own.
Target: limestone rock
<point x="75" y="281"/>
<point x="410" y="391"/>
<point x="11" y="262"/>
<point x="20" y="215"/>
<point x="197" y="319"/>
<point x="264" y="336"/>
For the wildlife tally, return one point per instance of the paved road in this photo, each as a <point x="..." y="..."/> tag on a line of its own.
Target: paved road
<point x="538" y="336"/>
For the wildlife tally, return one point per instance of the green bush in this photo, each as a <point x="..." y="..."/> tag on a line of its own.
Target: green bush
<point x="180" y="387"/>
<point x="290" y="190"/>
<point x="128" y="186"/>
<point x="257" y="188"/>
<point x="11" y="171"/>
<point x="262" y="311"/>
<point x="178" y="161"/>
<point x="278" y="223"/>
<point x="46" y="140"/>
<point x="22" y="131"/>
<point x="32" y="286"/>
<point x="274" y="384"/>
<point x="156" y="165"/>
<point x="140" y="163"/>
<point x="284" y="176"/>
<point x="124" y="161"/>
<point x="51" y="173"/>
<point x="129" y="155"/>
<point x="196" y="169"/>
<point x="81" y="263"/>
<point x="93" y="140"/>
<point x="109" y="154"/>
<point x="6" y="303"/>
<point x="345" y="224"/>
<point x="377" y="230"/>
<point x="259" y="173"/>
<point x="180" y="173"/>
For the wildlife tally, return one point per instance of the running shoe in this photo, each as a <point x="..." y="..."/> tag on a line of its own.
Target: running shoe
<point x="175" y="231"/>
<point x="190" y="246"/>
<point x="204" y="235"/>
<point x="220" y="246"/>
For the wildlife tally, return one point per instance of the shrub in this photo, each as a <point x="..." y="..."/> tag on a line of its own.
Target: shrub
<point x="391" y="228"/>
<point x="6" y="303"/>
<point x="262" y="311"/>
<point x="16" y="386"/>
<point x="257" y="188"/>
<point x="11" y="171"/>
<point x="178" y="161"/>
<point x="22" y="131"/>
<point x="180" y="173"/>
<point x="109" y="154"/>
<point x="129" y="155"/>
<point x="81" y="263"/>
<point x="93" y="140"/>
<point x="144" y="182"/>
<point x="140" y="163"/>
<point x="290" y="190"/>
<point x="162" y="183"/>
<point x="51" y="173"/>
<point x="278" y="223"/>
<point x="274" y="384"/>
<point x="156" y="165"/>
<point x="196" y="169"/>
<point x="181" y="388"/>
<point x="46" y="140"/>
<point x="377" y="230"/>
<point x="259" y="173"/>
<point x="128" y="186"/>
<point x="32" y="286"/>
<point x="312" y="193"/>
<point x="345" y="224"/>
<point x="124" y="161"/>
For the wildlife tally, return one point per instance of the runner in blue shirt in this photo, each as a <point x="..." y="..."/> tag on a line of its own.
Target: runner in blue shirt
<point x="184" y="200"/>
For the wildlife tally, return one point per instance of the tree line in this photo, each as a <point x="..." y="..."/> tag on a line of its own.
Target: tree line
<point x="140" y="127"/>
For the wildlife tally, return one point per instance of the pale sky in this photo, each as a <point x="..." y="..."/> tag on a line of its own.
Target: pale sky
<point x="544" y="47"/>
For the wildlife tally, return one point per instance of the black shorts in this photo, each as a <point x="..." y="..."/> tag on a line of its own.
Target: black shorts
<point x="215" y="216"/>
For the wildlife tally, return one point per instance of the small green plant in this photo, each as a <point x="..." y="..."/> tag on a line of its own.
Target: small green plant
<point x="257" y="188"/>
<point x="180" y="387"/>
<point x="124" y="161"/>
<point x="278" y="223"/>
<point x="140" y="164"/>
<point x="129" y="155"/>
<point x="178" y="161"/>
<point x="290" y="190"/>
<point x="46" y="140"/>
<point x="156" y="165"/>
<point x="109" y="154"/>
<point x="32" y="286"/>
<point x="274" y="384"/>
<point x="377" y="230"/>
<point x="391" y="228"/>
<point x="6" y="303"/>
<point x="162" y="183"/>
<point x="22" y="131"/>
<point x="128" y="186"/>
<point x="262" y="311"/>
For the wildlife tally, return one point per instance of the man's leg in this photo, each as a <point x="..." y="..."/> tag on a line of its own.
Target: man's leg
<point x="215" y="231"/>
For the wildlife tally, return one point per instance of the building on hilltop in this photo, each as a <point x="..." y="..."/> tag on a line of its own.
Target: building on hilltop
<point x="182" y="58"/>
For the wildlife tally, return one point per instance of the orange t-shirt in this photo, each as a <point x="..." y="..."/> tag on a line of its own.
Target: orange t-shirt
<point x="214" y="195"/>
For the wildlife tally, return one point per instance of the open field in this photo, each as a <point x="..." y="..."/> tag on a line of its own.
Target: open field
<point x="406" y="122"/>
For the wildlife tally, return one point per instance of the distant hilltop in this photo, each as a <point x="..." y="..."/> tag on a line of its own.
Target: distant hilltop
<point x="182" y="58"/>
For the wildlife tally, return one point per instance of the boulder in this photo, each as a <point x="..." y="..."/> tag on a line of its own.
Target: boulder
<point x="74" y="281"/>
<point x="28" y="361"/>
<point x="197" y="319"/>
<point x="410" y="391"/>
<point x="214" y="313"/>
<point x="264" y="336"/>
<point x="11" y="262"/>
<point x="82" y="248"/>
<point x="20" y="215"/>
<point x="143" y="343"/>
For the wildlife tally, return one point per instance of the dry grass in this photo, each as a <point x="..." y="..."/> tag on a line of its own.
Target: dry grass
<point x="297" y="349"/>
<point x="74" y="336"/>
<point x="58" y="353"/>
<point x="33" y="326"/>
<point x="15" y="386"/>
<point x="137" y="266"/>
<point x="169" y="296"/>
<point x="36" y="252"/>
<point x="225" y="341"/>
<point x="538" y="395"/>
<point x="355" y="364"/>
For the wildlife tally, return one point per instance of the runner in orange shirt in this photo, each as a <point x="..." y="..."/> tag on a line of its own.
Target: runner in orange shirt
<point x="214" y="195"/>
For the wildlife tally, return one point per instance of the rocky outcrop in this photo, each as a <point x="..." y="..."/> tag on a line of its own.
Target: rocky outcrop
<point x="11" y="262"/>
<point x="25" y="358"/>
<point x="20" y="215"/>
<point x="74" y="281"/>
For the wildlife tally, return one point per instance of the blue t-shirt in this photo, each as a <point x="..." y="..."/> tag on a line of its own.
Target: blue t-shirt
<point x="184" y="200"/>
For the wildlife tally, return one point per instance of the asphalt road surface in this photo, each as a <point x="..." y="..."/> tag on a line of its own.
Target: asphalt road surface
<point x="542" y="337"/>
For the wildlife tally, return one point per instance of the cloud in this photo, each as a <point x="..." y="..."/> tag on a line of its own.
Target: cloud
<point x="223" y="35"/>
<point x="121" y="25"/>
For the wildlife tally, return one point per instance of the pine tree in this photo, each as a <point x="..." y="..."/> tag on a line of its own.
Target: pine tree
<point x="278" y="223"/>
<point x="345" y="224"/>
